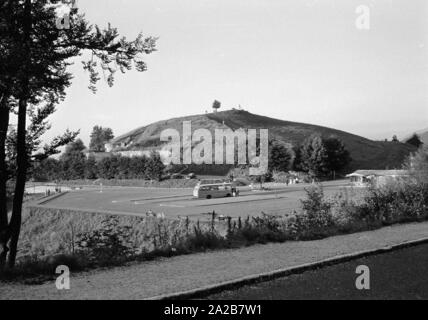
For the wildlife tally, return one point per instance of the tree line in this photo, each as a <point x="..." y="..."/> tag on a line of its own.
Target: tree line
<point x="74" y="165"/>
<point x="317" y="156"/>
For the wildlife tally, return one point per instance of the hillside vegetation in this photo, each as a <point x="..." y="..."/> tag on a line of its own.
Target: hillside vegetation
<point x="366" y="154"/>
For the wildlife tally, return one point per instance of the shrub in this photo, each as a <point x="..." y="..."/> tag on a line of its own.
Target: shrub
<point x="316" y="220"/>
<point x="280" y="176"/>
<point x="263" y="229"/>
<point x="395" y="202"/>
<point x="154" y="166"/>
<point x="346" y="212"/>
<point x="202" y="240"/>
<point x="109" y="244"/>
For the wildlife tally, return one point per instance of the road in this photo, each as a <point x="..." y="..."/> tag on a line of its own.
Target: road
<point x="401" y="274"/>
<point x="179" y="202"/>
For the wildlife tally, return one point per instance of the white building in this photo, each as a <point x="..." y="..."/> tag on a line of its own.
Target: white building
<point x="378" y="177"/>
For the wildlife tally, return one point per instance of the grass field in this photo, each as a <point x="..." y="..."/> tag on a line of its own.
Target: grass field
<point x="179" y="202"/>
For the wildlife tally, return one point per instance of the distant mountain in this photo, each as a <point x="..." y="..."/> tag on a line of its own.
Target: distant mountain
<point x="366" y="154"/>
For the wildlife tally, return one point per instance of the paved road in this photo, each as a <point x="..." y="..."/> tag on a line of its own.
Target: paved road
<point x="179" y="202"/>
<point x="401" y="274"/>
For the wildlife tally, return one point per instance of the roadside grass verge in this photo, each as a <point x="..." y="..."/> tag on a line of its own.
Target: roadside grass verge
<point x="82" y="241"/>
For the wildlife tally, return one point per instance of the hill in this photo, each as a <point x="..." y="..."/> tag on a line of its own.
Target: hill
<point x="366" y="154"/>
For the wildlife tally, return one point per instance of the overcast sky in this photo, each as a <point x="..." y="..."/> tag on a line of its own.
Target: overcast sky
<point x="297" y="60"/>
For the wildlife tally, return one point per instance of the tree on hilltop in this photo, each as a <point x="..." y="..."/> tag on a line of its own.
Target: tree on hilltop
<point x="216" y="105"/>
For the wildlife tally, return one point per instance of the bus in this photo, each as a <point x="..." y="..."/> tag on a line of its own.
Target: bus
<point x="215" y="190"/>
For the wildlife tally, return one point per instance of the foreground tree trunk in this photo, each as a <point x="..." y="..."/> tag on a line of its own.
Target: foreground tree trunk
<point x="4" y="124"/>
<point x="21" y="176"/>
<point x="21" y="144"/>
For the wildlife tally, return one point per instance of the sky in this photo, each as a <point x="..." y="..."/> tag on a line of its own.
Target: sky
<point x="296" y="60"/>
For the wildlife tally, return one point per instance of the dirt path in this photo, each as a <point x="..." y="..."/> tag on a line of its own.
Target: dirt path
<point x="171" y="275"/>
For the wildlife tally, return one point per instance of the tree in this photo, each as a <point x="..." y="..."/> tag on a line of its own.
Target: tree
<point x="47" y="170"/>
<point x="108" y="167"/>
<point x="216" y="105"/>
<point x="297" y="163"/>
<point x="394" y="138"/>
<point x="138" y="167"/>
<point x="91" y="169"/>
<point x="314" y="156"/>
<point x="73" y="161"/>
<point x="124" y="168"/>
<point x="280" y="156"/>
<point x="74" y="147"/>
<point x="73" y="166"/>
<point x="99" y="137"/>
<point x="337" y="156"/>
<point x="34" y="57"/>
<point x="415" y="141"/>
<point x="417" y="164"/>
<point x="13" y="163"/>
<point x="29" y="68"/>
<point x="154" y="166"/>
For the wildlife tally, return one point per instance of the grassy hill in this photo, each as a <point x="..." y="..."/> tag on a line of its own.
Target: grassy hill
<point x="366" y="154"/>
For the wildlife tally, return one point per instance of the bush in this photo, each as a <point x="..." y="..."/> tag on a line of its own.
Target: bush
<point x="266" y="228"/>
<point x="417" y="164"/>
<point x="395" y="202"/>
<point x="280" y="177"/>
<point x="201" y="240"/>
<point x="346" y="212"/>
<point x="109" y="244"/>
<point x="316" y="220"/>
